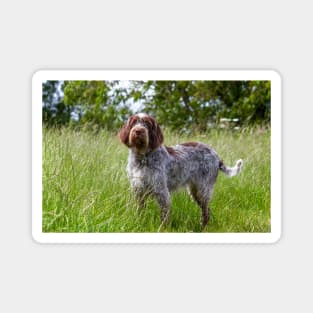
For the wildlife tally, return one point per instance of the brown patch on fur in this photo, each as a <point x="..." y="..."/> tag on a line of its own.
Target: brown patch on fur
<point x="124" y="135"/>
<point x="171" y="151"/>
<point x="155" y="134"/>
<point x="190" y="144"/>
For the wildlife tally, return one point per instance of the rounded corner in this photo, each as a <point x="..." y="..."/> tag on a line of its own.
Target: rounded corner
<point x="276" y="238"/>
<point x="36" y="238"/>
<point x="37" y="75"/>
<point x="276" y="75"/>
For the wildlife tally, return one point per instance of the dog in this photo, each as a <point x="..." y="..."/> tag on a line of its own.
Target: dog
<point x="155" y="169"/>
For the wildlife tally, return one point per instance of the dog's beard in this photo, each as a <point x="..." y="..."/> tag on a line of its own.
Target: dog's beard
<point x="139" y="141"/>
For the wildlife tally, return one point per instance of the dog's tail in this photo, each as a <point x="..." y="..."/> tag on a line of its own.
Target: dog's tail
<point x="231" y="171"/>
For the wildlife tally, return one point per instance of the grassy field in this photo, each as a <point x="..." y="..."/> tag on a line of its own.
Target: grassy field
<point x="85" y="187"/>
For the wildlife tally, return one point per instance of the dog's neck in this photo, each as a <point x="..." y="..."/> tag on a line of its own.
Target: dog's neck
<point x="142" y="156"/>
<point x="139" y="155"/>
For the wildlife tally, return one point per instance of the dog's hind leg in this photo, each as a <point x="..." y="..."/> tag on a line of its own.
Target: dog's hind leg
<point x="202" y="196"/>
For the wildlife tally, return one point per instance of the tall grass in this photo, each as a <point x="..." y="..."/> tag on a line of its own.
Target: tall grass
<point x="85" y="186"/>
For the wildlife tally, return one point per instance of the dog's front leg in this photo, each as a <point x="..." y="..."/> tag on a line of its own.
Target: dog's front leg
<point x="140" y="200"/>
<point x="140" y="196"/>
<point x="164" y="202"/>
<point x="140" y="189"/>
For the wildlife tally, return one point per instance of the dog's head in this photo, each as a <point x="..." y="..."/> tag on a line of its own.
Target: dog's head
<point x="142" y="133"/>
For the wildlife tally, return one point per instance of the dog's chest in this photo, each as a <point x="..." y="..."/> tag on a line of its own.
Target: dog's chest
<point x="137" y="168"/>
<point x="146" y="172"/>
<point x="140" y="176"/>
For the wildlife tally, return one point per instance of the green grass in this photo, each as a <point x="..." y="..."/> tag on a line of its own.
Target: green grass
<point x="85" y="186"/>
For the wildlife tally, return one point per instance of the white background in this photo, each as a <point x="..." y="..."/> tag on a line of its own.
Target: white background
<point x="155" y="35"/>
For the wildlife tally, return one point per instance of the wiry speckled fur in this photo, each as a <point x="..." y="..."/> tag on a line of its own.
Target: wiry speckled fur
<point x="156" y="171"/>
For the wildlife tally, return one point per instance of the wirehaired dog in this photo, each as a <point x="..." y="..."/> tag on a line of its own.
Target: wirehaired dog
<point x="156" y="170"/>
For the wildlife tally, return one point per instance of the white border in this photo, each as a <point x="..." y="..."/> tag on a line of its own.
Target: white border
<point x="43" y="75"/>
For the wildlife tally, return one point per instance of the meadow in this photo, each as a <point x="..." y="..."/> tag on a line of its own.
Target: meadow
<point x="85" y="186"/>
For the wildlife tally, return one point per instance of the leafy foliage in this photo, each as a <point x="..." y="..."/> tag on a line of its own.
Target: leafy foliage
<point x="95" y="107"/>
<point x="179" y="105"/>
<point x="54" y="110"/>
<point x="199" y="104"/>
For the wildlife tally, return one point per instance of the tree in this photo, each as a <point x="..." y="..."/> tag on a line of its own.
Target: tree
<point x="54" y="111"/>
<point x="97" y="104"/>
<point x="179" y="105"/>
<point x="199" y="104"/>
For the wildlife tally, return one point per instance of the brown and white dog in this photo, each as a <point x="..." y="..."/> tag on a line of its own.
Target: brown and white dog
<point x="155" y="170"/>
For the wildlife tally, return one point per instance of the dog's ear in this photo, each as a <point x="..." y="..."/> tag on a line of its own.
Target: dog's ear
<point x="123" y="135"/>
<point x="124" y="132"/>
<point x="155" y="134"/>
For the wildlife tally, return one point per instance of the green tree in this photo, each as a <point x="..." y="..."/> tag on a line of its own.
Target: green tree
<point x="54" y="111"/>
<point x="199" y="104"/>
<point x="96" y="104"/>
<point x="179" y="105"/>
